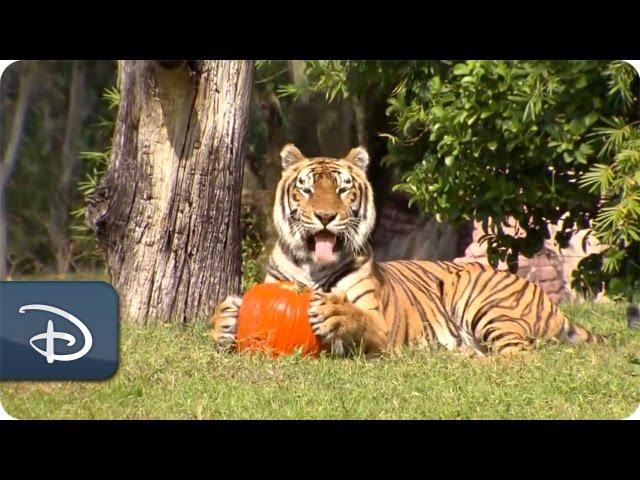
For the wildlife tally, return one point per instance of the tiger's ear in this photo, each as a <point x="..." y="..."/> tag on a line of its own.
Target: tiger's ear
<point x="359" y="157"/>
<point x="290" y="155"/>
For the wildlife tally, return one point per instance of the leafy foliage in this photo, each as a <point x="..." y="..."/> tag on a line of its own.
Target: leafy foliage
<point x="493" y="140"/>
<point x="617" y="223"/>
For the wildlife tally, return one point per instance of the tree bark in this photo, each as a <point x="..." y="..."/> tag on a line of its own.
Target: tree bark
<point x="167" y="212"/>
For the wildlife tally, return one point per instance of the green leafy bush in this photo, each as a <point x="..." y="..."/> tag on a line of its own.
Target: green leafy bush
<point x="500" y="139"/>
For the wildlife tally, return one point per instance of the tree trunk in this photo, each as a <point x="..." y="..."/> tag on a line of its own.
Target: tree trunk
<point x="336" y="127"/>
<point x="167" y="212"/>
<point x="319" y="127"/>
<point x="263" y="201"/>
<point x="70" y="161"/>
<point x="10" y="154"/>
<point x="303" y="116"/>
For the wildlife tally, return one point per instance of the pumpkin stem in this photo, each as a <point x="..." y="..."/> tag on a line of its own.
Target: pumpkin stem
<point x="300" y="288"/>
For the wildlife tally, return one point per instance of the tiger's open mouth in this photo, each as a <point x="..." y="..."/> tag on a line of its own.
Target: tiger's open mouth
<point x="324" y="245"/>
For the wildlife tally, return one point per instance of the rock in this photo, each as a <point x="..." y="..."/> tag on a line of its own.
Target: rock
<point x="555" y="286"/>
<point x="548" y="272"/>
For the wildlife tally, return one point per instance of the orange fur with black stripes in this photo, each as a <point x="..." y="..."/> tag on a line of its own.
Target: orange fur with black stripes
<point x="324" y="213"/>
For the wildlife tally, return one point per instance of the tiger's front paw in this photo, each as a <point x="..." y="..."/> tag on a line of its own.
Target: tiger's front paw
<point x="331" y="317"/>
<point x="224" y="323"/>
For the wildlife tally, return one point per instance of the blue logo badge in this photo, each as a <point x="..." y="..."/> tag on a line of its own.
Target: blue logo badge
<point x="58" y="331"/>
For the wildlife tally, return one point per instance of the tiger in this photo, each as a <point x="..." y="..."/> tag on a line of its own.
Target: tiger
<point x="324" y="214"/>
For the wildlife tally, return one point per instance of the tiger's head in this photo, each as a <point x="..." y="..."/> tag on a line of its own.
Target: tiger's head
<point x="324" y="210"/>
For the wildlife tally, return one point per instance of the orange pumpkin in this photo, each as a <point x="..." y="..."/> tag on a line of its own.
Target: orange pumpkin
<point x="273" y="318"/>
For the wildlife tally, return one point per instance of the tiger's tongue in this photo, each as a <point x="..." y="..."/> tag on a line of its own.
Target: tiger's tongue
<point x="325" y="242"/>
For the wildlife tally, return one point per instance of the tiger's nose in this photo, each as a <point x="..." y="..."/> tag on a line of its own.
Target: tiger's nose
<point x="325" y="217"/>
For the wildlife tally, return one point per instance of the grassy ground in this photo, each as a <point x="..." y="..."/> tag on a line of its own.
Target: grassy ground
<point x="172" y="372"/>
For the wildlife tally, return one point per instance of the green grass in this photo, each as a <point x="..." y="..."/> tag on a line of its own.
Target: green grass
<point x="173" y="372"/>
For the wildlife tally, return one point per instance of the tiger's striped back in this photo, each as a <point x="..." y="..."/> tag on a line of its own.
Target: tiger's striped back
<point x="469" y="304"/>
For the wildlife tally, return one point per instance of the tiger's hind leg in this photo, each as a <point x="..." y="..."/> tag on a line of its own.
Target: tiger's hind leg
<point x="506" y="335"/>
